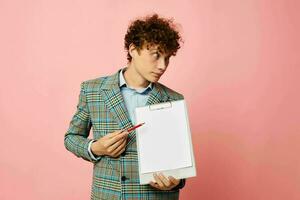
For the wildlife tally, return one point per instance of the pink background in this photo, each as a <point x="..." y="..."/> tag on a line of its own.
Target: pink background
<point x="238" y="69"/>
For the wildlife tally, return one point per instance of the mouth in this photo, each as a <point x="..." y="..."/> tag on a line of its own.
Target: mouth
<point x="157" y="74"/>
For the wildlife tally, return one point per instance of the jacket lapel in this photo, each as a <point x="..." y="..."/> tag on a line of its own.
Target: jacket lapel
<point x="157" y="95"/>
<point x="111" y="93"/>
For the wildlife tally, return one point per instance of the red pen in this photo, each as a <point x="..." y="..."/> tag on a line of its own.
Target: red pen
<point x="133" y="128"/>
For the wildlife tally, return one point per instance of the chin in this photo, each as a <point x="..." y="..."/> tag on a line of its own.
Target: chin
<point x="154" y="80"/>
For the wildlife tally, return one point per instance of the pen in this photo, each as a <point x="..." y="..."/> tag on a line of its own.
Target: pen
<point x="133" y="128"/>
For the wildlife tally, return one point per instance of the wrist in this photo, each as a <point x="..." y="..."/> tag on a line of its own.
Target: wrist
<point x="94" y="149"/>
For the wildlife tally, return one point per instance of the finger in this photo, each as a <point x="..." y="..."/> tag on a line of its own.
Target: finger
<point x="120" y="152"/>
<point x="120" y="149"/>
<point x="158" y="181"/>
<point x="165" y="181"/>
<point x="154" y="185"/>
<point x="120" y="135"/>
<point x="117" y="138"/>
<point x="174" y="180"/>
<point x="111" y="149"/>
<point x="113" y="134"/>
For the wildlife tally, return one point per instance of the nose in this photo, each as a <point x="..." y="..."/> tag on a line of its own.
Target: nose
<point x="162" y="65"/>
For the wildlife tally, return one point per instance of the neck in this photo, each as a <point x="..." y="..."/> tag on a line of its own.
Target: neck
<point x="133" y="78"/>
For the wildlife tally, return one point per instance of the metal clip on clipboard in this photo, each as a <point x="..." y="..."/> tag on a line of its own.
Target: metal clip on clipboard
<point x="160" y="106"/>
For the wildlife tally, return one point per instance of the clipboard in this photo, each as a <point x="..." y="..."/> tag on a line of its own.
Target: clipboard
<point x="164" y="142"/>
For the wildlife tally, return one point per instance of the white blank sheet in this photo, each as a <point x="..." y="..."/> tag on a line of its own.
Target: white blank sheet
<point x="163" y="141"/>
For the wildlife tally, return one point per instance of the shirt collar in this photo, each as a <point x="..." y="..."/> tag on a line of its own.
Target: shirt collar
<point x="122" y="83"/>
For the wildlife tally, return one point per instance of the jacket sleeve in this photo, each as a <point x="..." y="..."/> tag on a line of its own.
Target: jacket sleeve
<point x="180" y="185"/>
<point x="76" y="138"/>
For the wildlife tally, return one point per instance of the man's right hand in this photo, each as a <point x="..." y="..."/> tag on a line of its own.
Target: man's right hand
<point x="112" y="144"/>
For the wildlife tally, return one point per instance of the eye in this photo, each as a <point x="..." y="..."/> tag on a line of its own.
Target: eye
<point x="156" y="55"/>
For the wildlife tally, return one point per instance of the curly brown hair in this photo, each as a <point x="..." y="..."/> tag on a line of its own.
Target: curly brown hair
<point x="153" y="30"/>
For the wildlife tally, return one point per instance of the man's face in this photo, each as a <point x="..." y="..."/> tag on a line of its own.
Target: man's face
<point x="150" y="63"/>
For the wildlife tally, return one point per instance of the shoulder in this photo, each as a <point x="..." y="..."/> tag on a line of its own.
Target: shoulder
<point x="170" y="92"/>
<point x="95" y="84"/>
<point x="92" y="83"/>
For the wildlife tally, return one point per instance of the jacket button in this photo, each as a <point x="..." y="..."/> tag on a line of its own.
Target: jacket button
<point x="123" y="178"/>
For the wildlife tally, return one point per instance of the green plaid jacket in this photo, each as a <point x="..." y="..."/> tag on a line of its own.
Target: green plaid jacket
<point x="101" y="107"/>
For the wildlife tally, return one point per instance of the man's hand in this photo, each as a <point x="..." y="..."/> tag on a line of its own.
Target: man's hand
<point x="112" y="144"/>
<point x="163" y="183"/>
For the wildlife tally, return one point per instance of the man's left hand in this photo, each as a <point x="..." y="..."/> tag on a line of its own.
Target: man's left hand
<point x="163" y="183"/>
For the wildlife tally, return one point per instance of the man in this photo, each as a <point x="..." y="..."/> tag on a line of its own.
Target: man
<point x="107" y="105"/>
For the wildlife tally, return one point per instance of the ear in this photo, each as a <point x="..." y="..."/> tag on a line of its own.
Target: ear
<point x="132" y="50"/>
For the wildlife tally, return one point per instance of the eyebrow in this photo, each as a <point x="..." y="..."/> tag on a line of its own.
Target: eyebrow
<point x="167" y="55"/>
<point x="156" y="50"/>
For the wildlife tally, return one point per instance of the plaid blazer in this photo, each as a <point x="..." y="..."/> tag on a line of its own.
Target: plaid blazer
<point x="102" y="108"/>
